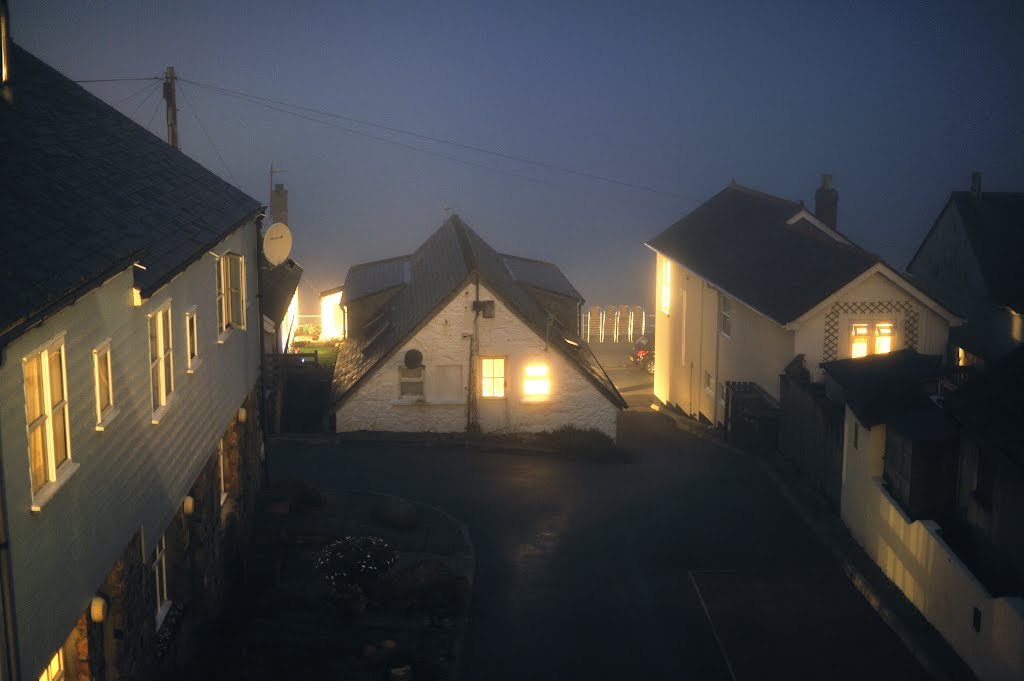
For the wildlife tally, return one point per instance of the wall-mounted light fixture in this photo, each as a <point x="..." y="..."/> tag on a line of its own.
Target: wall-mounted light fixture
<point x="97" y="609"/>
<point x="188" y="505"/>
<point x="242" y="415"/>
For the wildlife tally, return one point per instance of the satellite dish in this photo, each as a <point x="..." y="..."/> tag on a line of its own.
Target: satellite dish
<point x="413" y="359"/>
<point x="277" y="243"/>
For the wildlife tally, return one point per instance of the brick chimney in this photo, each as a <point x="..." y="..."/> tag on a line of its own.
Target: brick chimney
<point x="826" y="202"/>
<point x="976" y="184"/>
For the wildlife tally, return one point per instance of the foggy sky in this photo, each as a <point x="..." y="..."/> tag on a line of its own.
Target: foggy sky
<point x="899" y="101"/>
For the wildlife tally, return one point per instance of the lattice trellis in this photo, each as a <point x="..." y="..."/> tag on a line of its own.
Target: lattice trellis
<point x="910" y="321"/>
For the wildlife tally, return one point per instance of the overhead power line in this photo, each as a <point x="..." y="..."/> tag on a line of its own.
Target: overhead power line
<point x="195" y="114"/>
<point x="117" y="80"/>
<point x="269" y="103"/>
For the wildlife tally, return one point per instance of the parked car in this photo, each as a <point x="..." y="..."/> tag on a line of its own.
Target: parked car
<point x="642" y="354"/>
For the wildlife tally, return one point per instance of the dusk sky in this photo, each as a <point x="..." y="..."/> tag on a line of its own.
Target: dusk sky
<point x="900" y="101"/>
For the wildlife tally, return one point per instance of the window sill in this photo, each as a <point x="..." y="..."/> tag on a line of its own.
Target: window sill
<point x="50" y="489"/>
<point x="408" y="401"/>
<point x="162" y="411"/>
<point x="223" y="336"/>
<point x="535" y="400"/>
<point x="198" y="362"/>
<point x="108" y="416"/>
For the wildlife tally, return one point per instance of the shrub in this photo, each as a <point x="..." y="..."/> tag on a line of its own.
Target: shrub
<point x="589" y="443"/>
<point x="358" y="561"/>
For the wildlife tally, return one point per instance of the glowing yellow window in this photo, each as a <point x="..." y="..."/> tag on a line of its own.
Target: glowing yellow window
<point x="666" y="285"/>
<point x="536" y="385"/>
<point x="883" y="338"/>
<point x="54" y="670"/>
<point x="859" y="341"/>
<point x="492" y="377"/>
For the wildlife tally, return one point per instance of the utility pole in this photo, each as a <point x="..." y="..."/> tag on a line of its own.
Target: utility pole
<point x="172" y="108"/>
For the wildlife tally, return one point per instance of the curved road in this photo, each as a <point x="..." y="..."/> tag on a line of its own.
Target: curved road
<point x="686" y="563"/>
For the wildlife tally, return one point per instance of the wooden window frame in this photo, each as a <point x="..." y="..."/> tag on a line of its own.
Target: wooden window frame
<point x="492" y="376"/>
<point x="54" y="473"/>
<point x="161" y="359"/>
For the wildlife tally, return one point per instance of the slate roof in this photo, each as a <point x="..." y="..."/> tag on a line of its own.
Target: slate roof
<point x="279" y="284"/>
<point x="368" y="278"/>
<point x="884" y="388"/>
<point x="738" y="240"/>
<point x="992" y="405"/>
<point x="541" y="274"/>
<point x="439" y="269"/>
<point x="994" y="223"/>
<point x="86" y="192"/>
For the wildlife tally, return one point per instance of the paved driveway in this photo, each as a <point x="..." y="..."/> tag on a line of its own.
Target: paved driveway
<point x="686" y="563"/>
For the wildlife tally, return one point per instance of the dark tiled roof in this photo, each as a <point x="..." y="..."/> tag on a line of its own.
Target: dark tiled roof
<point x="992" y="405"/>
<point x="368" y="278"/>
<point x="86" y="192"/>
<point x="994" y="223"/>
<point x="738" y="240"/>
<point x="543" y="275"/>
<point x="437" y="271"/>
<point x="882" y="388"/>
<point x="279" y="284"/>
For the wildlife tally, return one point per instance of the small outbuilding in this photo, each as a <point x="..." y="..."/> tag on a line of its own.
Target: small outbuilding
<point x="458" y="337"/>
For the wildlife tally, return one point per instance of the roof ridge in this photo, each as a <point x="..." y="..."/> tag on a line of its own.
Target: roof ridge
<point x="757" y="192"/>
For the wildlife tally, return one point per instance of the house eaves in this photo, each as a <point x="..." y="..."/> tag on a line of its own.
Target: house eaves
<point x="897" y="279"/>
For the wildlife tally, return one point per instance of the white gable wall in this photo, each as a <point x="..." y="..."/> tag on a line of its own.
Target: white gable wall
<point x="875" y="299"/>
<point x="444" y="340"/>
<point x="133" y="474"/>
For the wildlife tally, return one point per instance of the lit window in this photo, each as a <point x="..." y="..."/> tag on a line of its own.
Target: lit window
<point x="161" y="358"/>
<point x="666" y="285"/>
<point x="230" y="293"/>
<point x="883" y="338"/>
<point x="871" y="339"/>
<point x="163" y="603"/>
<point x="191" y="341"/>
<point x="46" y="412"/>
<point x="410" y="382"/>
<point x="492" y="377"/>
<point x="55" y="670"/>
<point x="536" y="384"/>
<point x="104" y="386"/>
<point x="725" y="306"/>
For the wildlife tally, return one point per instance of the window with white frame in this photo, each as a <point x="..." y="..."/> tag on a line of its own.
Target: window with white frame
<point x="230" y="292"/>
<point x="725" y="310"/>
<point x="103" y="381"/>
<point x="410" y="382"/>
<point x="867" y="338"/>
<point x="666" y="285"/>
<point x="492" y="377"/>
<point x="55" y="670"/>
<point x="46" y="413"/>
<point x="536" y="382"/>
<point x="163" y="602"/>
<point x="161" y="357"/>
<point x="191" y="341"/>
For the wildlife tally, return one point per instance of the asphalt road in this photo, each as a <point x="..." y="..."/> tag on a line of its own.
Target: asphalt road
<point x="684" y="564"/>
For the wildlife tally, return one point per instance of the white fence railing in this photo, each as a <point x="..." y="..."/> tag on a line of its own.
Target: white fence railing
<point x="615" y="323"/>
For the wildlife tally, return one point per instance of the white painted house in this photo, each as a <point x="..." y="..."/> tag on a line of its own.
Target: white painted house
<point x="129" y="356"/>
<point x="748" y="281"/>
<point x="458" y="337"/>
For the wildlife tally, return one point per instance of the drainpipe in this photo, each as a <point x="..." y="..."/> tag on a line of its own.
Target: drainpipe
<point x="472" y="415"/>
<point x="700" y="356"/>
<point x="10" y="637"/>
<point x="718" y="344"/>
<point x="262" y="401"/>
